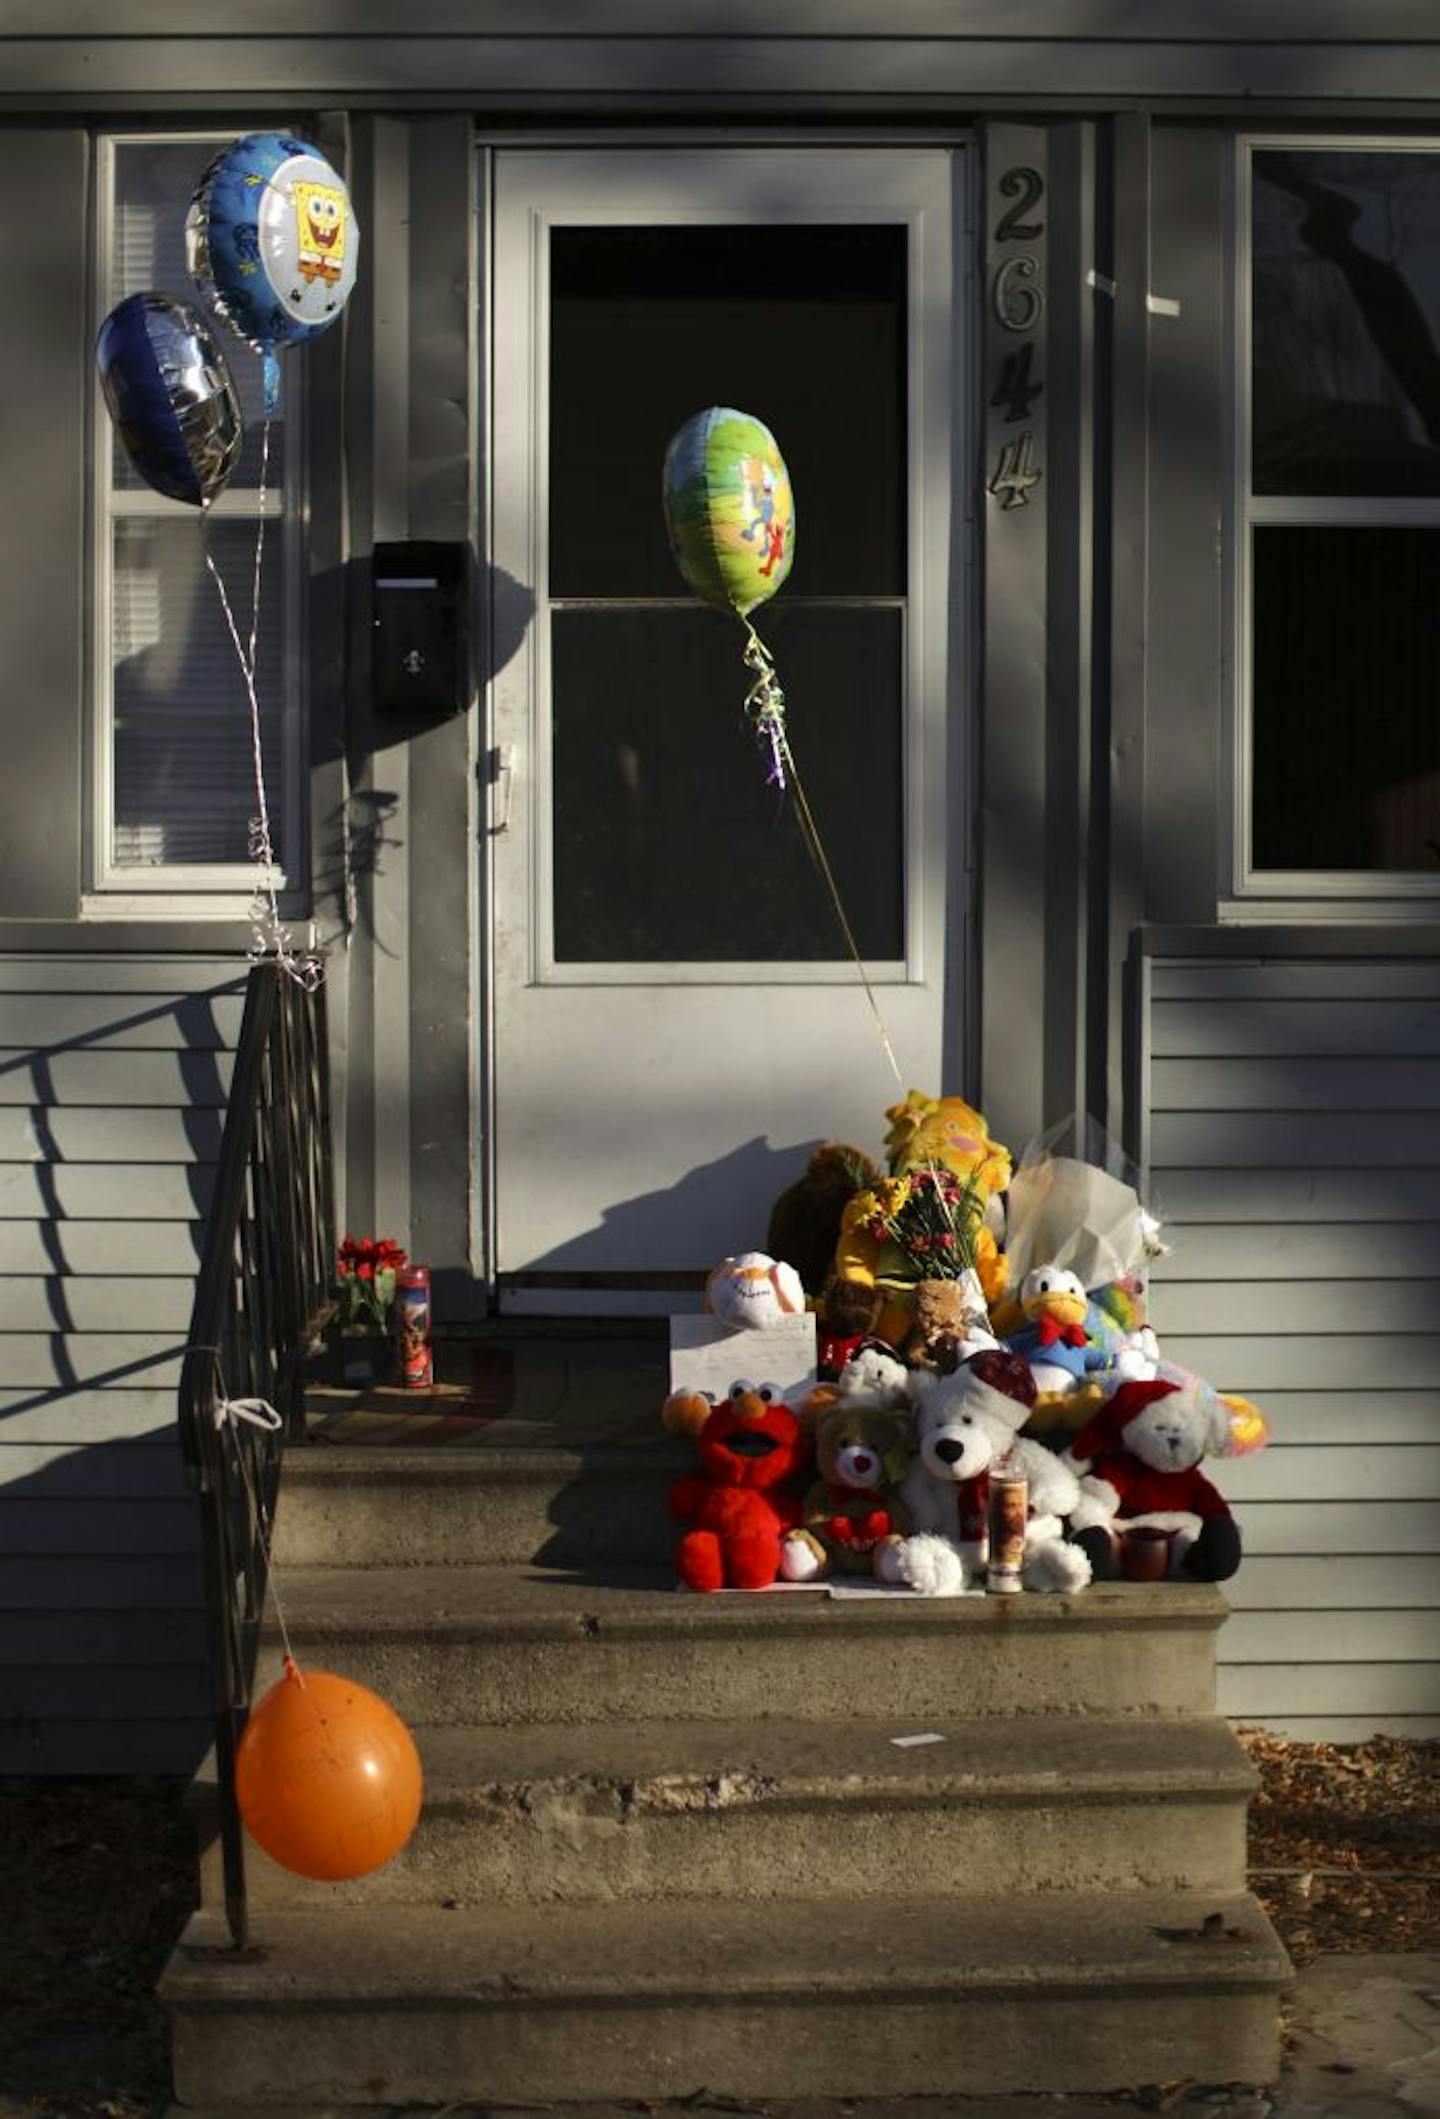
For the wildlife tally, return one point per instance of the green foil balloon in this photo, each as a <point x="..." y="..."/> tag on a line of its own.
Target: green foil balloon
<point x="729" y="508"/>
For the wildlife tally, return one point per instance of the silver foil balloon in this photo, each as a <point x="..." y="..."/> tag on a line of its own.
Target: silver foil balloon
<point x="170" y="394"/>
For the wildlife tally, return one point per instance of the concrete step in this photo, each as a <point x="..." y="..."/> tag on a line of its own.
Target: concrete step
<point x="786" y="1809"/>
<point x="460" y="1645"/>
<point x="482" y="1505"/>
<point x="905" y="1996"/>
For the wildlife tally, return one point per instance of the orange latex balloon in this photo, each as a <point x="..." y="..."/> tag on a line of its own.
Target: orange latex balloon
<point x="327" y="1776"/>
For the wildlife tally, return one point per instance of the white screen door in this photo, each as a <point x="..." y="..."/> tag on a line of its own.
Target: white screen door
<point x="675" y="1014"/>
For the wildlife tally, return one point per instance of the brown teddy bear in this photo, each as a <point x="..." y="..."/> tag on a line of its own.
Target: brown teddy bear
<point x="848" y="1315"/>
<point x="940" y="1321"/>
<point x="861" y="1451"/>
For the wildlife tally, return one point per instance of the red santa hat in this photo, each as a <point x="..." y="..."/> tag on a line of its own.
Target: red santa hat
<point x="1104" y="1432"/>
<point x="1001" y="1381"/>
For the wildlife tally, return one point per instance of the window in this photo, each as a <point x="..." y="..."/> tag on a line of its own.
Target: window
<point x="1340" y="544"/>
<point x="173" y="779"/>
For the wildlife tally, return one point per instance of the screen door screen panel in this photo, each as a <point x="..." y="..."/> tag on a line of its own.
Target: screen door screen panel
<point x="667" y="844"/>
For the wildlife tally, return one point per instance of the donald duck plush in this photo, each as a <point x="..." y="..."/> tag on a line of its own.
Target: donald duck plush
<point x="1069" y="1343"/>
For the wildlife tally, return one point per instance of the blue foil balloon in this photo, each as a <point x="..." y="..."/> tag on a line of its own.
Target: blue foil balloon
<point x="170" y="395"/>
<point x="272" y="243"/>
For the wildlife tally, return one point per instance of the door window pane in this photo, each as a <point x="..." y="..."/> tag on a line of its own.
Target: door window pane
<point x="803" y="327"/>
<point x="668" y="844"/>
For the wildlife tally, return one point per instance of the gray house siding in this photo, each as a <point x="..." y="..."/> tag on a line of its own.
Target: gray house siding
<point x="113" y="1076"/>
<point x="1294" y="1150"/>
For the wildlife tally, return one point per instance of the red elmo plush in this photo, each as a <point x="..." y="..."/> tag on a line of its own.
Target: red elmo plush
<point x="748" y="1446"/>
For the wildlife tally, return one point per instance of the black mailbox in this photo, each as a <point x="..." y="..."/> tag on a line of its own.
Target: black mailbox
<point x="421" y="647"/>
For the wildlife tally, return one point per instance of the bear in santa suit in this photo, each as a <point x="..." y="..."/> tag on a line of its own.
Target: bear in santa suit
<point x="1138" y="1459"/>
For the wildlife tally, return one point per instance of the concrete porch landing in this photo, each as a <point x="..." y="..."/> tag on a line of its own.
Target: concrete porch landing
<point x="510" y="1388"/>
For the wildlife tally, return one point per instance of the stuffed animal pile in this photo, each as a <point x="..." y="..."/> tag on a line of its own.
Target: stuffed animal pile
<point x="934" y="1372"/>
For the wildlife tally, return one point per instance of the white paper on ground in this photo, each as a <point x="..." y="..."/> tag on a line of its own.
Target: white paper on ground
<point x="704" y="1356"/>
<point x="904" y="1743"/>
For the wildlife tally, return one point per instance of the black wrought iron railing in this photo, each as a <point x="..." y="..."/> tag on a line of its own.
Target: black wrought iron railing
<point x="264" y="1296"/>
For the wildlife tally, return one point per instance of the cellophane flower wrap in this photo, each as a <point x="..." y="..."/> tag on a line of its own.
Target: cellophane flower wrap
<point x="367" y="1266"/>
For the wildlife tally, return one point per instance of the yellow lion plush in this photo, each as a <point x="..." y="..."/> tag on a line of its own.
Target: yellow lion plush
<point x="925" y="1132"/>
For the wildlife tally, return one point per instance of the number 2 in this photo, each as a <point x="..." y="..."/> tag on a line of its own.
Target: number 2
<point x="1026" y="187"/>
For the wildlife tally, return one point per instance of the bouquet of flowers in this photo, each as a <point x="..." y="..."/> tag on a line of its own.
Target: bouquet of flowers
<point x="368" y="1266"/>
<point x="932" y="1217"/>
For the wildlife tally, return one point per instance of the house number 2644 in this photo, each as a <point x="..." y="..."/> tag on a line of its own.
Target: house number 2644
<point x="1017" y="298"/>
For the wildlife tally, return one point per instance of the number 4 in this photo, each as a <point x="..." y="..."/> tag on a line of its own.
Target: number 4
<point x="1017" y="388"/>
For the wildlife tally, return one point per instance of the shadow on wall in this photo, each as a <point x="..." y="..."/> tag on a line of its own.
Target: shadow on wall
<point x="110" y="1127"/>
<point x="715" y="1209"/>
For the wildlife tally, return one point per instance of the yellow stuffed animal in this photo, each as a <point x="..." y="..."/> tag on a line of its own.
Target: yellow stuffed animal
<point x="926" y="1132"/>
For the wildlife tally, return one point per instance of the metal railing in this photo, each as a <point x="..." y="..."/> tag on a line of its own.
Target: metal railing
<point x="264" y="1294"/>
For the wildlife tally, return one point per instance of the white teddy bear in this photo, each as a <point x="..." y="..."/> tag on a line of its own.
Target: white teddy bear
<point x="965" y="1425"/>
<point x="751" y="1290"/>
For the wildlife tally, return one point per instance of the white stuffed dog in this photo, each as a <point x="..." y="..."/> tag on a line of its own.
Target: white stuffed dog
<point x="965" y="1425"/>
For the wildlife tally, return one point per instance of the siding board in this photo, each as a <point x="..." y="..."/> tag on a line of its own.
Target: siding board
<point x="66" y="1640"/>
<point x="166" y="1249"/>
<point x="50" y="1582"/>
<point x="95" y="1303"/>
<point x="1322" y="1251"/>
<point x="105" y="1191"/>
<point x="1382" y="1691"/>
<point x="1294" y="1137"/>
<point x="1363" y="1472"/>
<point x="1314" y="1417"/>
<point x="85" y="1360"/>
<point x="54" y="1022"/>
<point x="1280" y="1140"/>
<point x="180" y="1080"/>
<point x="113" y="1079"/>
<point x="1335" y="1085"/>
<point x="1413" y="980"/>
<point x="61" y="1416"/>
<point x="169" y="1745"/>
<point x="53" y="1134"/>
<point x="142" y="1471"/>
<point x="1275" y="1196"/>
<point x="1346" y="1637"/>
<point x="1336" y="1363"/>
<point x="1333" y="1029"/>
<point x="1318" y="1582"/>
<point x="120" y="1692"/>
<point x="90" y="1529"/>
<point x="1277" y="1308"/>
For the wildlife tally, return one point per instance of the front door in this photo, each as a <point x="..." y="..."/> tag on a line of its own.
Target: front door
<point x="676" y="1014"/>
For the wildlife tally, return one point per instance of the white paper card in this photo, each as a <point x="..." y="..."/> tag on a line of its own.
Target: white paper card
<point x="704" y="1356"/>
<point x="904" y="1742"/>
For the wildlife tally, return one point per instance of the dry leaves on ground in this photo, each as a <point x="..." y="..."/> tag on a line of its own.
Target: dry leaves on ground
<point x="1345" y="1842"/>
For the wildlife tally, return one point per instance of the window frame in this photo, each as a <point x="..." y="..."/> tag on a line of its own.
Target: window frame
<point x="204" y="890"/>
<point x="1295" y="894"/>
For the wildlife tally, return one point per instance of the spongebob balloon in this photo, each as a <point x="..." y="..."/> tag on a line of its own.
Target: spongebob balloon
<point x="729" y="508"/>
<point x="272" y="243"/>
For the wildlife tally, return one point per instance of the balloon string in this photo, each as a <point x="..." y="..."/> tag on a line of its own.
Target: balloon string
<point x="271" y="938"/>
<point x="765" y="704"/>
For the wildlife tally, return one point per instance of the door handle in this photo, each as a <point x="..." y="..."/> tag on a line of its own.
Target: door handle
<point x="502" y="779"/>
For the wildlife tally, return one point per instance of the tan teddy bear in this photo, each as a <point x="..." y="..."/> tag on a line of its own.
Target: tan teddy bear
<point x="862" y="1448"/>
